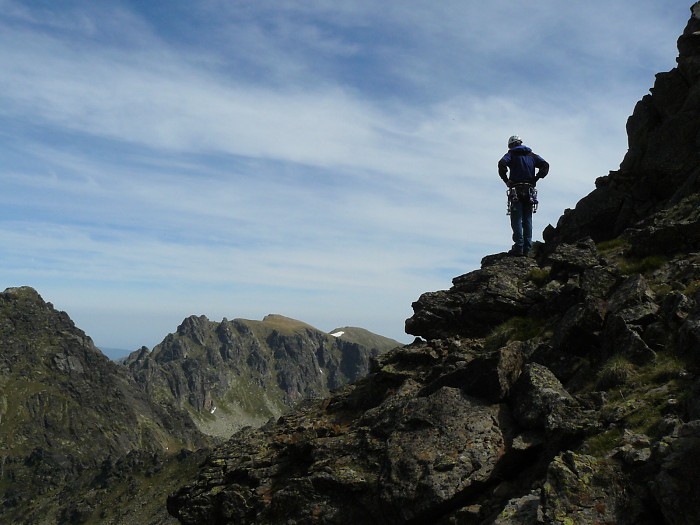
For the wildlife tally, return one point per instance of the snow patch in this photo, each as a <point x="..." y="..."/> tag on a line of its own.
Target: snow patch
<point x="337" y="334"/>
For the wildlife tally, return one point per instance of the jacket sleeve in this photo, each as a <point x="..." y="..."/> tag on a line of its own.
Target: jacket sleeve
<point x="542" y="167"/>
<point x="503" y="168"/>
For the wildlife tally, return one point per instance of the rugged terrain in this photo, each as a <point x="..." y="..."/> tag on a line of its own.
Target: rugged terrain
<point x="86" y="440"/>
<point x="558" y="389"/>
<point x="238" y="373"/>
<point x="67" y="411"/>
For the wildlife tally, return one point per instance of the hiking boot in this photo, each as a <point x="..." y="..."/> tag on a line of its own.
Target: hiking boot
<point x="515" y="252"/>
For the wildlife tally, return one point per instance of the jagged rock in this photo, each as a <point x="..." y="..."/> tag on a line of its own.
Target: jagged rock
<point x="693" y="401"/>
<point x="689" y="335"/>
<point x="661" y="165"/>
<point x="432" y="451"/>
<point x="578" y="332"/>
<point x="473" y="426"/>
<point x="581" y="490"/>
<point x="668" y="231"/>
<point x="525" y="510"/>
<point x="237" y="373"/>
<point x="444" y="445"/>
<point x="620" y="339"/>
<point x="586" y="274"/>
<point x="675" y="487"/>
<point x="573" y="259"/>
<point x="536" y="395"/>
<point x="597" y="281"/>
<point x="675" y="308"/>
<point x="633" y="301"/>
<point x="636" y="449"/>
<point x="65" y="409"/>
<point x="489" y="376"/>
<point x="400" y="446"/>
<point x="477" y="301"/>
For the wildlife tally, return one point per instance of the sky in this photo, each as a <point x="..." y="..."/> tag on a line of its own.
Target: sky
<point x="327" y="161"/>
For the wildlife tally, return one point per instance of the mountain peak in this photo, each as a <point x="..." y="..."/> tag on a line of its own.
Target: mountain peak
<point x="285" y="322"/>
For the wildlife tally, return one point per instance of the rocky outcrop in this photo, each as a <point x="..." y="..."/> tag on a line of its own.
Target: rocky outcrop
<point x="478" y="302"/>
<point x="661" y="166"/>
<point x="519" y="425"/>
<point x="555" y="389"/>
<point x="237" y="373"/>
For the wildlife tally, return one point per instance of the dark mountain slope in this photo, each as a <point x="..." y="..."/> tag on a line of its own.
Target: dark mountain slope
<point x="86" y="440"/>
<point x="559" y="389"/>
<point x="65" y="409"/>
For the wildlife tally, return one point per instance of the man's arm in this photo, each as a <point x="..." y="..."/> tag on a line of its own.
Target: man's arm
<point x="542" y="168"/>
<point x="503" y="168"/>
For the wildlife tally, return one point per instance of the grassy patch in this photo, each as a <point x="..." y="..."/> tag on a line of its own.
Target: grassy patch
<point x="643" y="266"/>
<point x="602" y="444"/>
<point x="665" y="368"/>
<point x="539" y="276"/>
<point x="514" y="329"/>
<point x="639" y="398"/>
<point x="661" y="290"/>
<point x="612" y="245"/>
<point x="646" y="418"/>
<point x="692" y="288"/>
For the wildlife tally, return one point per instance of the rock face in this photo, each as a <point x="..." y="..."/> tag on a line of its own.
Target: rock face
<point x="65" y="409"/>
<point x="661" y="166"/>
<point x="559" y="389"/>
<point x="237" y="373"/>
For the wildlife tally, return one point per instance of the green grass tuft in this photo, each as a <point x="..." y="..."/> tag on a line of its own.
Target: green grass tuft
<point x="611" y="245"/>
<point x="617" y="371"/>
<point x="539" y="276"/>
<point x="644" y="266"/>
<point x="514" y="329"/>
<point x="602" y="444"/>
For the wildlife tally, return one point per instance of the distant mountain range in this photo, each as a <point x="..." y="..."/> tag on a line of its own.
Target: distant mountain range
<point x="81" y="434"/>
<point x="231" y="374"/>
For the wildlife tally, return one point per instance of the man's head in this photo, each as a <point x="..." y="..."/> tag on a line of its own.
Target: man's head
<point x="514" y="141"/>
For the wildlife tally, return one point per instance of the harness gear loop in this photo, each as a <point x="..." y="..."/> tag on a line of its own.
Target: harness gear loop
<point x="521" y="191"/>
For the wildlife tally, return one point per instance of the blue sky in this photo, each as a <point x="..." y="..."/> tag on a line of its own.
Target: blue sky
<point x="328" y="161"/>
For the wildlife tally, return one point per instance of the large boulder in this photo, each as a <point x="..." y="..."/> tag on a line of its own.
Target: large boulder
<point x="406" y="458"/>
<point x="477" y="302"/>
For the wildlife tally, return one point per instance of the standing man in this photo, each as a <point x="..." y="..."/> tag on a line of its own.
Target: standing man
<point x="521" y="180"/>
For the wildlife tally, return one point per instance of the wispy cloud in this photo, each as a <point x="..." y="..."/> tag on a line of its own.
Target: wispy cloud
<point x="325" y="161"/>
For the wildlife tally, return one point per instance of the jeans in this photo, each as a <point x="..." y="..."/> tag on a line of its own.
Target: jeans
<point x="521" y="223"/>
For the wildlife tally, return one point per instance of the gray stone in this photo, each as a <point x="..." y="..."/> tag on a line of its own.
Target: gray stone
<point x="675" y="488"/>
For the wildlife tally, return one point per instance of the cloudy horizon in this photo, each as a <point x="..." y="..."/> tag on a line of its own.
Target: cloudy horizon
<point x="325" y="162"/>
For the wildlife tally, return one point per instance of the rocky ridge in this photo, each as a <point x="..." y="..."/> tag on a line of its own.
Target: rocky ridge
<point x="559" y="389"/>
<point x="240" y="373"/>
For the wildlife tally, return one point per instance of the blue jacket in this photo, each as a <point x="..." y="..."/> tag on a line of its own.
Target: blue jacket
<point x="522" y="163"/>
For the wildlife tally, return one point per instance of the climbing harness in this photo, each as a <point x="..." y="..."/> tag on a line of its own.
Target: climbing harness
<point x="521" y="191"/>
